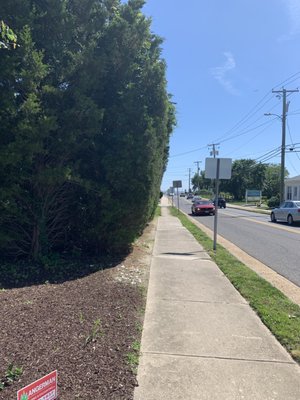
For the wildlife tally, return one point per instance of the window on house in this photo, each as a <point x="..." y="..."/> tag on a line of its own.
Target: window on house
<point x="289" y="193"/>
<point x="295" y="194"/>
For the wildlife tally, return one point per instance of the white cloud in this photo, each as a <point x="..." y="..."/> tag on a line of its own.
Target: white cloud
<point x="220" y="73"/>
<point x="293" y="12"/>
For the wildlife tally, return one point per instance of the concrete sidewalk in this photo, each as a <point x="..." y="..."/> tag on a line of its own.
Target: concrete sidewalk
<point x="201" y="340"/>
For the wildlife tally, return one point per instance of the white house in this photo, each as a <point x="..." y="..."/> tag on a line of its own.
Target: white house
<point x="292" y="188"/>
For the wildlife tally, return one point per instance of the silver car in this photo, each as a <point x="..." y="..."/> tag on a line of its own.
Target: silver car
<point x="289" y="211"/>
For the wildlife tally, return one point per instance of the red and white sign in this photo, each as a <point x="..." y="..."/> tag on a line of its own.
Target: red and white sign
<point x="42" y="389"/>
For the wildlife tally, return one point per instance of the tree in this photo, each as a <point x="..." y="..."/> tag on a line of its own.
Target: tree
<point x="85" y="126"/>
<point x="246" y="174"/>
<point x="199" y="181"/>
<point x="271" y="186"/>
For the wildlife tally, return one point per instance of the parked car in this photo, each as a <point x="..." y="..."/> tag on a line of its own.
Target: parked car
<point x="221" y="202"/>
<point x="289" y="211"/>
<point x="203" y="207"/>
<point x="190" y="196"/>
<point x="182" y="194"/>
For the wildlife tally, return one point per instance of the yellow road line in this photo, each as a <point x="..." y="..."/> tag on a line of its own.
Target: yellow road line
<point x="280" y="227"/>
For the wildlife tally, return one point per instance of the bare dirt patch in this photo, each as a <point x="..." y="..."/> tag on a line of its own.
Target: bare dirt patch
<point x="84" y="328"/>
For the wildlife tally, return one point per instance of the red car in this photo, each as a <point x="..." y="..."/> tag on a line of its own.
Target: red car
<point x="203" y="207"/>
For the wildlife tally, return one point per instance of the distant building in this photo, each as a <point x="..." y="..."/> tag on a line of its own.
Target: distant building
<point x="292" y="188"/>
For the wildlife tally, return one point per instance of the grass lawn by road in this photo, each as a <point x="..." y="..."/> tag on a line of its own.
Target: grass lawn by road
<point x="276" y="311"/>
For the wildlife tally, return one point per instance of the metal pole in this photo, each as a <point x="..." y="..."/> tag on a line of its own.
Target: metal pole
<point x="216" y="205"/>
<point x="283" y="119"/>
<point x="198" y="175"/>
<point x="177" y="200"/>
<point x="282" y="169"/>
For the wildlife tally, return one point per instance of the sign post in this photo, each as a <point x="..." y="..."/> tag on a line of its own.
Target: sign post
<point x="216" y="204"/>
<point x="177" y="184"/>
<point x="217" y="168"/>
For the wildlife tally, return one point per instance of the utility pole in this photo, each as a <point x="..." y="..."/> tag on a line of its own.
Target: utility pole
<point x="283" y="119"/>
<point x="190" y="169"/>
<point x="198" y="174"/>
<point x="214" y="152"/>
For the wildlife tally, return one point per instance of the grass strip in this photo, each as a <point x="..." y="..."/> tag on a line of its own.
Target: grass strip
<point x="276" y="311"/>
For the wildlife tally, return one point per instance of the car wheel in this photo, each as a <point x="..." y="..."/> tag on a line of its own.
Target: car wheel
<point x="290" y="220"/>
<point x="193" y="212"/>
<point x="273" y="219"/>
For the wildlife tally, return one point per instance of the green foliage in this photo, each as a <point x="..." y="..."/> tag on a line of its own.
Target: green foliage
<point x="95" y="333"/>
<point x="8" y="39"/>
<point x="199" y="182"/>
<point x="206" y="193"/>
<point x="85" y="121"/>
<point x="272" y="180"/>
<point x="11" y="374"/>
<point x="273" y="202"/>
<point x="133" y="356"/>
<point x="246" y="174"/>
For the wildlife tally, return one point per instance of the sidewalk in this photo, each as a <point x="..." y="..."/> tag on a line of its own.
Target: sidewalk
<point x="201" y="340"/>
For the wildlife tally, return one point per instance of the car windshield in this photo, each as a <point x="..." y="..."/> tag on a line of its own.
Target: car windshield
<point x="297" y="203"/>
<point x="202" y="202"/>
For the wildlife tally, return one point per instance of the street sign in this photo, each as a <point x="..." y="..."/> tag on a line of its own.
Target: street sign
<point x="224" y="168"/>
<point x="253" y="195"/>
<point x="43" y="389"/>
<point x="177" y="184"/>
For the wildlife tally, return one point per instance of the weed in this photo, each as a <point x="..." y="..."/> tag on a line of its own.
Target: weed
<point x="139" y="327"/>
<point x="95" y="333"/>
<point x="12" y="374"/>
<point x="81" y="317"/>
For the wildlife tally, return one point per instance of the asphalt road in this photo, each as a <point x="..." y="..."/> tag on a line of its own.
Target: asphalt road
<point x="276" y="245"/>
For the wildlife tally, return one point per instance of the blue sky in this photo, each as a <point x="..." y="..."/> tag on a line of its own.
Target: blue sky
<point x="223" y="60"/>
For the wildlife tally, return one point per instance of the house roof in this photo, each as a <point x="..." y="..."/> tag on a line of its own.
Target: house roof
<point x="295" y="178"/>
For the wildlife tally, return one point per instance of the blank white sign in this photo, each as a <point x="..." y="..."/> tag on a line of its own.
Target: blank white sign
<point x="211" y="168"/>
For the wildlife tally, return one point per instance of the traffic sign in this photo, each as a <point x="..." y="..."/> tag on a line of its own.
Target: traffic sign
<point x="177" y="184"/>
<point x="224" y="168"/>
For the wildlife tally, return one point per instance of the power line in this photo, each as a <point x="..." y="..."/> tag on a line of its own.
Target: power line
<point x="288" y="80"/>
<point x="252" y="110"/>
<point x="250" y="140"/>
<point x="247" y="131"/>
<point x="288" y="126"/>
<point x="262" y="102"/>
<point x="188" y="152"/>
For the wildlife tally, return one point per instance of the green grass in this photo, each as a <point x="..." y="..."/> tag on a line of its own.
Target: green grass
<point x="275" y="310"/>
<point x="260" y="210"/>
<point x="157" y="212"/>
<point x="133" y="356"/>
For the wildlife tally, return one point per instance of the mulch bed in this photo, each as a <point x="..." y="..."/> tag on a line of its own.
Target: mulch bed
<point x="83" y="328"/>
